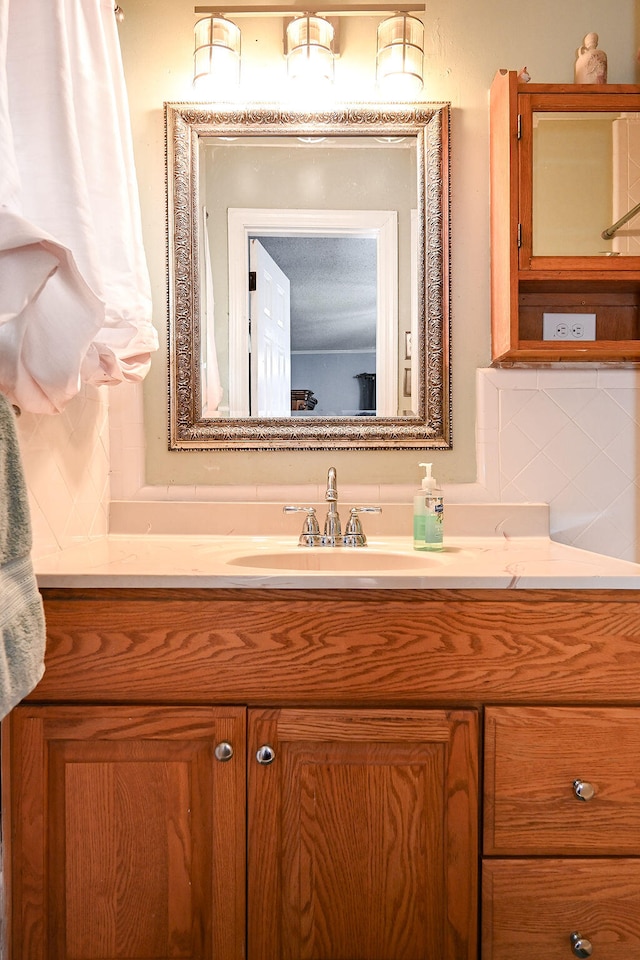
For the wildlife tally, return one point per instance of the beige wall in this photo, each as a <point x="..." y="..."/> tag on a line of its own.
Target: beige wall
<point x="466" y="43"/>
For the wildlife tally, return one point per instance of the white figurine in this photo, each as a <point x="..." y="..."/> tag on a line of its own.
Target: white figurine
<point x="591" y="63"/>
<point x="524" y="76"/>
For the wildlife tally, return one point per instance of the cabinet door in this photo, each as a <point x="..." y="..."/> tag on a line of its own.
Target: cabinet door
<point x="127" y="834"/>
<point x="362" y="835"/>
<point x="532" y="908"/>
<point x="536" y="761"/>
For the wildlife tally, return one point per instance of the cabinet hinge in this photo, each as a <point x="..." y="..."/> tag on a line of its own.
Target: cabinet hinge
<point x="252" y="280"/>
<point x="519" y="127"/>
<point x="519" y="235"/>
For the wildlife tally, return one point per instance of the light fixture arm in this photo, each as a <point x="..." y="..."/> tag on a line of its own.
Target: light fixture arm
<point x="345" y="10"/>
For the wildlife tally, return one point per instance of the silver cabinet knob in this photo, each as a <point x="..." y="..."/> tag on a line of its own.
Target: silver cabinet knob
<point x="265" y="754"/>
<point x="584" y="790"/>
<point x="223" y="751"/>
<point x="580" y="945"/>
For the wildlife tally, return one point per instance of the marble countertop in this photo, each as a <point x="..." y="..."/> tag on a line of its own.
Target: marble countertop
<point x="498" y="562"/>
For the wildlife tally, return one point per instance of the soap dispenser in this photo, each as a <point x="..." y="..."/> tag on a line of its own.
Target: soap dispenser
<point x="428" y="513"/>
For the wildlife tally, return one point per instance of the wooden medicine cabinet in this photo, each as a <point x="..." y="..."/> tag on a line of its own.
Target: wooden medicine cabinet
<point x="565" y="169"/>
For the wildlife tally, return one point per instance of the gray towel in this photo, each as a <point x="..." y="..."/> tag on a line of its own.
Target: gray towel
<point x="22" y="629"/>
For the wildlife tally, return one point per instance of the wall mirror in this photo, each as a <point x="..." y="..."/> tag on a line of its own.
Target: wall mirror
<point x="308" y="267"/>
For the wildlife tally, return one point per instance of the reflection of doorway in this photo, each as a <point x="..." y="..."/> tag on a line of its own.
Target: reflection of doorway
<point x="270" y="339"/>
<point x="380" y="225"/>
<point x="333" y="318"/>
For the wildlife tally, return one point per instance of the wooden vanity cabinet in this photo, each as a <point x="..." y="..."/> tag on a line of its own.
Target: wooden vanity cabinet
<point x="129" y="827"/>
<point x="141" y="829"/>
<point x="130" y="833"/>
<point x="527" y="281"/>
<point x="139" y="821"/>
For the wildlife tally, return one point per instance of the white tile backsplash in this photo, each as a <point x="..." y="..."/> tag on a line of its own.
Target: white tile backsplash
<point x="66" y="464"/>
<point x="571" y="449"/>
<point x="570" y="438"/>
<point x="567" y="437"/>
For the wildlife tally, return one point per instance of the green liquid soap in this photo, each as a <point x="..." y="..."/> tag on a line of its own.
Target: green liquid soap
<point x="428" y="514"/>
<point x="427" y="528"/>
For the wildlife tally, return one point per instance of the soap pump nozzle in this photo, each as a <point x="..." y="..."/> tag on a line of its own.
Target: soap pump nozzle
<point x="429" y="483"/>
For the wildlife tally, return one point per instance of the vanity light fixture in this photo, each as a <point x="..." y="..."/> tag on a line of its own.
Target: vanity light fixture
<point x="216" y="55"/>
<point x="309" y="49"/>
<point x="400" y="55"/>
<point x="310" y="41"/>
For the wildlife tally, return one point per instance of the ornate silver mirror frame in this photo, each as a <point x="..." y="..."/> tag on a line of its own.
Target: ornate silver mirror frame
<point x="186" y="124"/>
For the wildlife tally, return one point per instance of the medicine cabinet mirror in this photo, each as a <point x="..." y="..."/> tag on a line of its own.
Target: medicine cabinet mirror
<point x="308" y="267"/>
<point x="583" y="183"/>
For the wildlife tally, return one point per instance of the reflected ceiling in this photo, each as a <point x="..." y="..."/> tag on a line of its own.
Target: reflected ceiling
<point x="333" y="290"/>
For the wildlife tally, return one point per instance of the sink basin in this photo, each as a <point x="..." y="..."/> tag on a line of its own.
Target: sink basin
<point x="337" y="560"/>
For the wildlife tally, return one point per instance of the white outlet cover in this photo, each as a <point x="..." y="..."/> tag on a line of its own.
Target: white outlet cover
<point x="569" y="326"/>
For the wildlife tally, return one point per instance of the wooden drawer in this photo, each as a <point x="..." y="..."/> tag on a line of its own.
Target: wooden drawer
<point x="533" y="755"/>
<point x="530" y="908"/>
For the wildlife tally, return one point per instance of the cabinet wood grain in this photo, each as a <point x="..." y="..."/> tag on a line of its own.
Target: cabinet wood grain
<point x="533" y="755"/>
<point x="362" y="648"/>
<point x="125" y="837"/>
<point x="531" y="908"/>
<point x="124" y="831"/>
<point x="366" y="823"/>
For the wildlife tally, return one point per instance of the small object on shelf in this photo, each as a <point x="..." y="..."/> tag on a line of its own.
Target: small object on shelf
<point x="303" y="400"/>
<point x="591" y="63"/>
<point x="524" y="76"/>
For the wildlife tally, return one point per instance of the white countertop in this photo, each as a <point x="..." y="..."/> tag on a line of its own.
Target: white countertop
<point x="498" y="562"/>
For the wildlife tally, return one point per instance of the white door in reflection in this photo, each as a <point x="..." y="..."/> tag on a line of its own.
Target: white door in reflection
<point x="270" y="338"/>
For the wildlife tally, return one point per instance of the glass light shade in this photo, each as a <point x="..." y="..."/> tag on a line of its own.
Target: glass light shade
<point x="309" y="49"/>
<point x="216" y="57"/>
<point x="400" y="55"/>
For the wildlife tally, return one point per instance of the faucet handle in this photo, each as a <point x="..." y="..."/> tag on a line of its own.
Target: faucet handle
<point x="310" y="536"/>
<point x="353" y="533"/>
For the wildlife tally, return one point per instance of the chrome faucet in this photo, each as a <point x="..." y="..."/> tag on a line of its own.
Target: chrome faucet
<point x="332" y="527"/>
<point x="332" y="536"/>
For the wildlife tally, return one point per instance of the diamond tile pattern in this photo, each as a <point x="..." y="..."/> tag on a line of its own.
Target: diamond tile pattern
<point x="571" y="440"/>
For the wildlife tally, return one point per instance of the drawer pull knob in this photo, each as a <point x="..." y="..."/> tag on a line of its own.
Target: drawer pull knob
<point x="265" y="754"/>
<point x="223" y="751"/>
<point x="584" y="790"/>
<point x="580" y="945"/>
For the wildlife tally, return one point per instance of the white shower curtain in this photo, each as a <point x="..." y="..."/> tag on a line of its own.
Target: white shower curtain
<point x="75" y="301"/>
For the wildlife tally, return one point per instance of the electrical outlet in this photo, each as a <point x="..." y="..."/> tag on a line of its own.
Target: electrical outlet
<point x="569" y="326"/>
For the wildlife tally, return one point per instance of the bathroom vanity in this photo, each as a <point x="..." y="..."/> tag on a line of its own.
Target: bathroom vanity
<point x="244" y="770"/>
